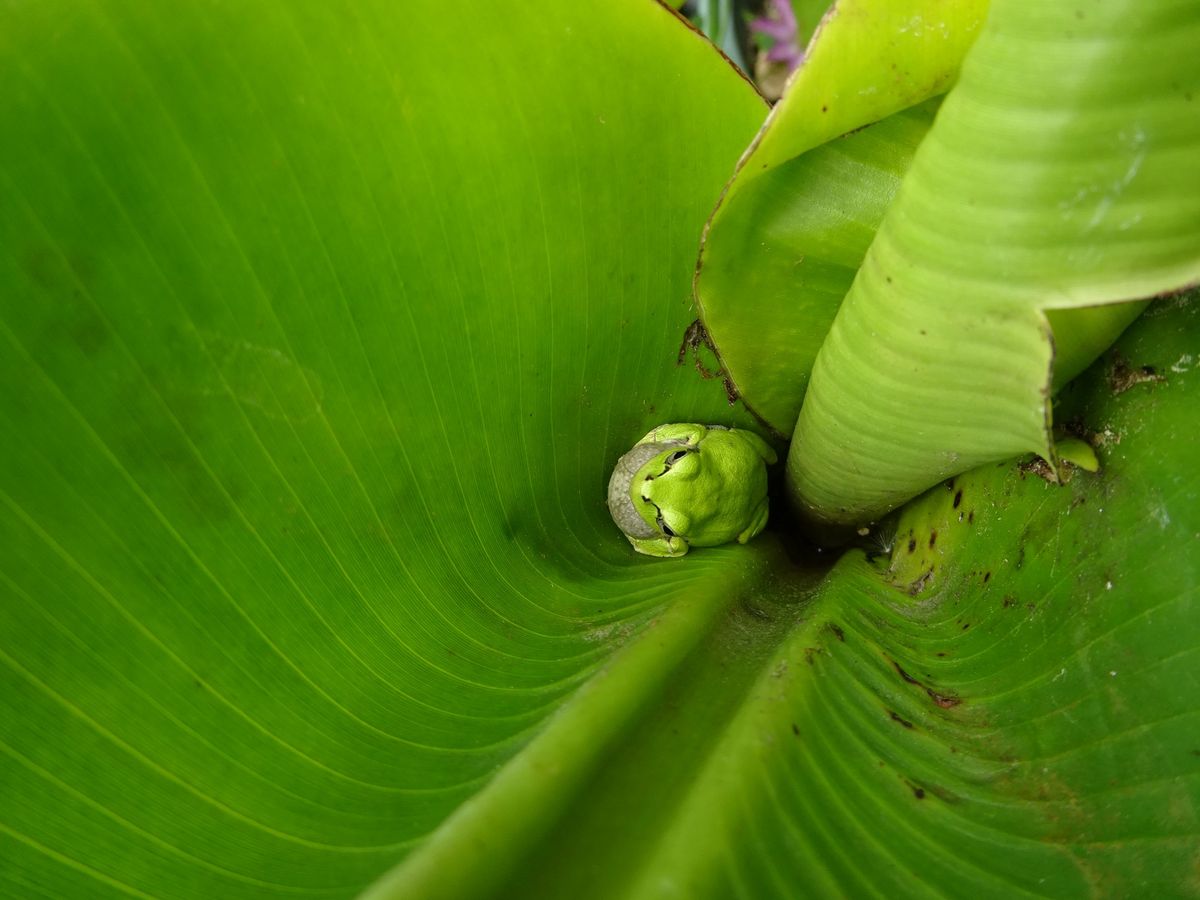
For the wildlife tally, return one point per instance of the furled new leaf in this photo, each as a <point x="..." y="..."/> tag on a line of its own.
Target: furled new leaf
<point x="1061" y="174"/>
<point x="784" y="244"/>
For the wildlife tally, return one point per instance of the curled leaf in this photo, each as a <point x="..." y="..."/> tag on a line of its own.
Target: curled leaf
<point x="1059" y="176"/>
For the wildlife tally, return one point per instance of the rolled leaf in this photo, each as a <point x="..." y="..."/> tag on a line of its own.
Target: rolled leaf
<point x="790" y="232"/>
<point x="1061" y="174"/>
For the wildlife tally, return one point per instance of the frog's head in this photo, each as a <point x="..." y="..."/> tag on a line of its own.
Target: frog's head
<point x="650" y="492"/>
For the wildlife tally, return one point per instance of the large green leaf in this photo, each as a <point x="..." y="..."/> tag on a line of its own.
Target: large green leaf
<point x="791" y="229"/>
<point x="1007" y="704"/>
<point x="320" y="328"/>
<point x="998" y="699"/>
<point x="780" y="255"/>
<point x="1021" y="199"/>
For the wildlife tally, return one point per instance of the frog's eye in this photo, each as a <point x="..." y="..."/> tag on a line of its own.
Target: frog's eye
<point x="666" y="529"/>
<point x="675" y="457"/>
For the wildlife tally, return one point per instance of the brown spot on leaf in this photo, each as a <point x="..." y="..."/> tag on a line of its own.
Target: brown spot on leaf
<point x="904" y="674"/>
<point x="1039" y="467"/>
<point x="897" y="718"/>
<point x="694" y="338"/>
<point x="920" y="583"/>
<point x="945" y="701"/>
<point x="1122" y="376"/>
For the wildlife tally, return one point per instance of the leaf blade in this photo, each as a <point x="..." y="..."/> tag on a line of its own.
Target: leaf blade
<point x="1018" y="201"/>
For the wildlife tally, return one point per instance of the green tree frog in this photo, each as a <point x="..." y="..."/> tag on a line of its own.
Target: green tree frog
<point x="684" y="485"/>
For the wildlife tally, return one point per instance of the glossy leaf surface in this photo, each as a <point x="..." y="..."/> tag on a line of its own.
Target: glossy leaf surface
<point x="321" y="331"/>
<point x="781" y="255"/>
<point x="997" y="698"/>
<point x="1020" y="200"/>
<point x="321" y="327"/>
<point x="784" y="244"/>
<point x="1007" y="706"/>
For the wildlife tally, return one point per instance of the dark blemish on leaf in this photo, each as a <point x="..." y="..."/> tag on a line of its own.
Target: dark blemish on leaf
<point x="971" y="517"/>
<point x="1009" y="602"/>
<point x="837" y="632"/>
<point x="1040" y="468"/>
<point x="921" y="583"/>
<point x="987" y="576"/>
<point x="912" y="545"/>
<point x="1122" y="376"/>
<point x="824" y="109"/>
<point x="731" y="393"/>
<point x="896" y="718"/>
<point x="966" y="625"/>
<point x="957" y="499"/>
<point x="756" y="612"/>
<point x="1020" y="558"/>
<point x="941" y="653"/>
<point x="888" y="278"/>
<point x="795" y="729"/>
<point x="932" y="538"/>
<point x="810" y="652"/>
<point x="945" y="701"/>
<point x="695" y="336"/>
<point x="919" y="793"/>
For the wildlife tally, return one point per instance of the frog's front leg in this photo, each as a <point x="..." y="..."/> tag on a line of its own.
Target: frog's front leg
<point x="761" y="447"/>
<point x="758" y="521"/>
<point x="683" y="433"/>
<point x="660" y="546"/>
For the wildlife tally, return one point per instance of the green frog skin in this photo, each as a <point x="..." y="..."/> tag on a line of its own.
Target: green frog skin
<point x="691" y="485"/>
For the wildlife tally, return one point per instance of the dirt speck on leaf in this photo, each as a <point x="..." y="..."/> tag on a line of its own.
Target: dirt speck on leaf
<point x="1039" y="467"/>
<point x="1122" y="376"/>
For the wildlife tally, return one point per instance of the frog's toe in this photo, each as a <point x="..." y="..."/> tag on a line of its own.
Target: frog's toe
<point x="664" y="547"/>
<point x="758" y="521"/>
